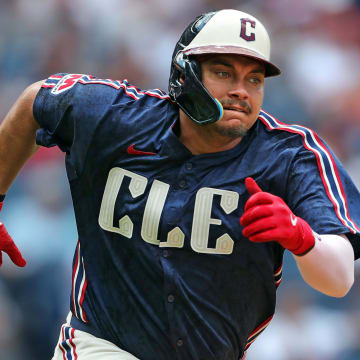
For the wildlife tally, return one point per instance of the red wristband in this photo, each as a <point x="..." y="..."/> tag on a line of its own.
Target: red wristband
<point x="308" y="238"/>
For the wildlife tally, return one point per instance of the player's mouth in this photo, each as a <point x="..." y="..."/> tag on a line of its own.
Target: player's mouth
<point x="236" y="108"/>
<point x="240" y="106"/>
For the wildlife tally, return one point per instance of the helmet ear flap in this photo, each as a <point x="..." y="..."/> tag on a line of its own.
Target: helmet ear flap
<point x="194" y="99"/>
<point x="190" y="94"/>
<point x="177" y="76"/>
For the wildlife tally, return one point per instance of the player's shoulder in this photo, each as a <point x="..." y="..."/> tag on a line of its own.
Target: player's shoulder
<point x="294" y="135"/>
<point x="88" y="85"/>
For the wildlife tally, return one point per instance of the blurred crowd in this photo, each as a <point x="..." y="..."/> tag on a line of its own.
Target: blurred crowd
<point x="316" y="43"/>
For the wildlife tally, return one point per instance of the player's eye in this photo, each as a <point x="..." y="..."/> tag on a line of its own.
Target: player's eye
<point x="222" y="74"/>
<point x="255" y="80"/>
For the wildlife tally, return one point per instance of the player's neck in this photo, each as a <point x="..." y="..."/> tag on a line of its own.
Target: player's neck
<point x="201" y="140"/>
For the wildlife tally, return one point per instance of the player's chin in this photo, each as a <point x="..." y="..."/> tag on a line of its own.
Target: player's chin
<point x="234" y="120"/>
<point x="232" y="128"/>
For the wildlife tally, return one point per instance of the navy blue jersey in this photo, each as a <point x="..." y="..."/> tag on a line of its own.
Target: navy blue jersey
<point x="161" y="268"/>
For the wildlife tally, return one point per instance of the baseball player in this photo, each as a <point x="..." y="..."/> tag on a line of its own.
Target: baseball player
<point x="185" y="202"/>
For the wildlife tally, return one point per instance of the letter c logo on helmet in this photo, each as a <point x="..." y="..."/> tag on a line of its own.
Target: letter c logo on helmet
<point x="243" y="33"/>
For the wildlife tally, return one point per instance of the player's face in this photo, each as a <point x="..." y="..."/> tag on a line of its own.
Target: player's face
<point x="238" y="83"/>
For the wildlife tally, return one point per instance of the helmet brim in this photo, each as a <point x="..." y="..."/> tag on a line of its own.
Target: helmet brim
<point x="270" y="68"/>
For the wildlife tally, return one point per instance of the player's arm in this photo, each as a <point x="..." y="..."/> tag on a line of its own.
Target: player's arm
<point x="17" y="136"/>
<point x="17" y="144"/>
<point x="329" y="266"/>
<point x="326" y="262"/>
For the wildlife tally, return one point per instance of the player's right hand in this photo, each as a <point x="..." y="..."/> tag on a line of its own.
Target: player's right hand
<point x="268" y="218"/>
<point x="8" y="246"/>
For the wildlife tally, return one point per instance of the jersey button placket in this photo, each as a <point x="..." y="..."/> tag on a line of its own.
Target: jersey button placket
<point x="182" y="184"/>
<point x="188" y="166"/>
<point x="179" y="342"/>
<point x="171" y="298"/>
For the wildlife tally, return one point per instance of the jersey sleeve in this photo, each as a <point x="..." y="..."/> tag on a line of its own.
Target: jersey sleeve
<point x="69" y="109"/>
<point x="320" y="191"/>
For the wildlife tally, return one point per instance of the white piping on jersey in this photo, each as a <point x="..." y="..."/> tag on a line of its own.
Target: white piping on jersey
<point x="252" y="337"/>
<point x="129" y="90"/>
<point x="67" y="346"/>
<point x="77" y="302"/>
<point x="278" y="276"/>
<point x="81" y="291"/>
<point x="307" y="133"/>
<point x="74" y="279"/>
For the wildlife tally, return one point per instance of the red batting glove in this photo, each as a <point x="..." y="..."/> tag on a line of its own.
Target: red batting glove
<point x="8" y="246"/>
<point x="267" y="218"/>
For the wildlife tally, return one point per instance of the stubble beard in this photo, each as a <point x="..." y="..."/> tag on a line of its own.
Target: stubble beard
<point x="233" y="132"/>
<point x="230" y="132"/>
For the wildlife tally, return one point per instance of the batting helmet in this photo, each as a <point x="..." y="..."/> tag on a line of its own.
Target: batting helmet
<point x="219" y="32"/>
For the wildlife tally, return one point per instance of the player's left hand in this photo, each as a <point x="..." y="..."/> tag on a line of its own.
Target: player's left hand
<point x="8" y="246"/>
<point x="267" y="218"/>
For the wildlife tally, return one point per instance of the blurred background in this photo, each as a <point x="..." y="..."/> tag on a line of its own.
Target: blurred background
<point x="316" y="43"/>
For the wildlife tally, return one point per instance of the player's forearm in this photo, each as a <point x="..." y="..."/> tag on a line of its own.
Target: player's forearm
<point x="17" y="136"/>
<point x="329" y="266"/>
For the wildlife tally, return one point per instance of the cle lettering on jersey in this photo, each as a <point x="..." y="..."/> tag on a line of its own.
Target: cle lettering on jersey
<point x="202" y="219"/>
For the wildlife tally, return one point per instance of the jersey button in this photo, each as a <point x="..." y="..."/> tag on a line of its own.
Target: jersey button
<point x="188" y="166"/>
<point x="180" y="342"/>
<point x="171" y="298"/>
<point x="182" y="184"/>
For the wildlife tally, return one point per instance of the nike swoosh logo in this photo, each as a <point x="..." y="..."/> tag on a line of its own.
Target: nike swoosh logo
<point x="132" y="151"/>
<point x="293" y="219"/>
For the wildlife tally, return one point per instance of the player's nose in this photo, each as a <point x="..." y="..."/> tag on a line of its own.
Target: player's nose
<point x="238" y="91"/>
